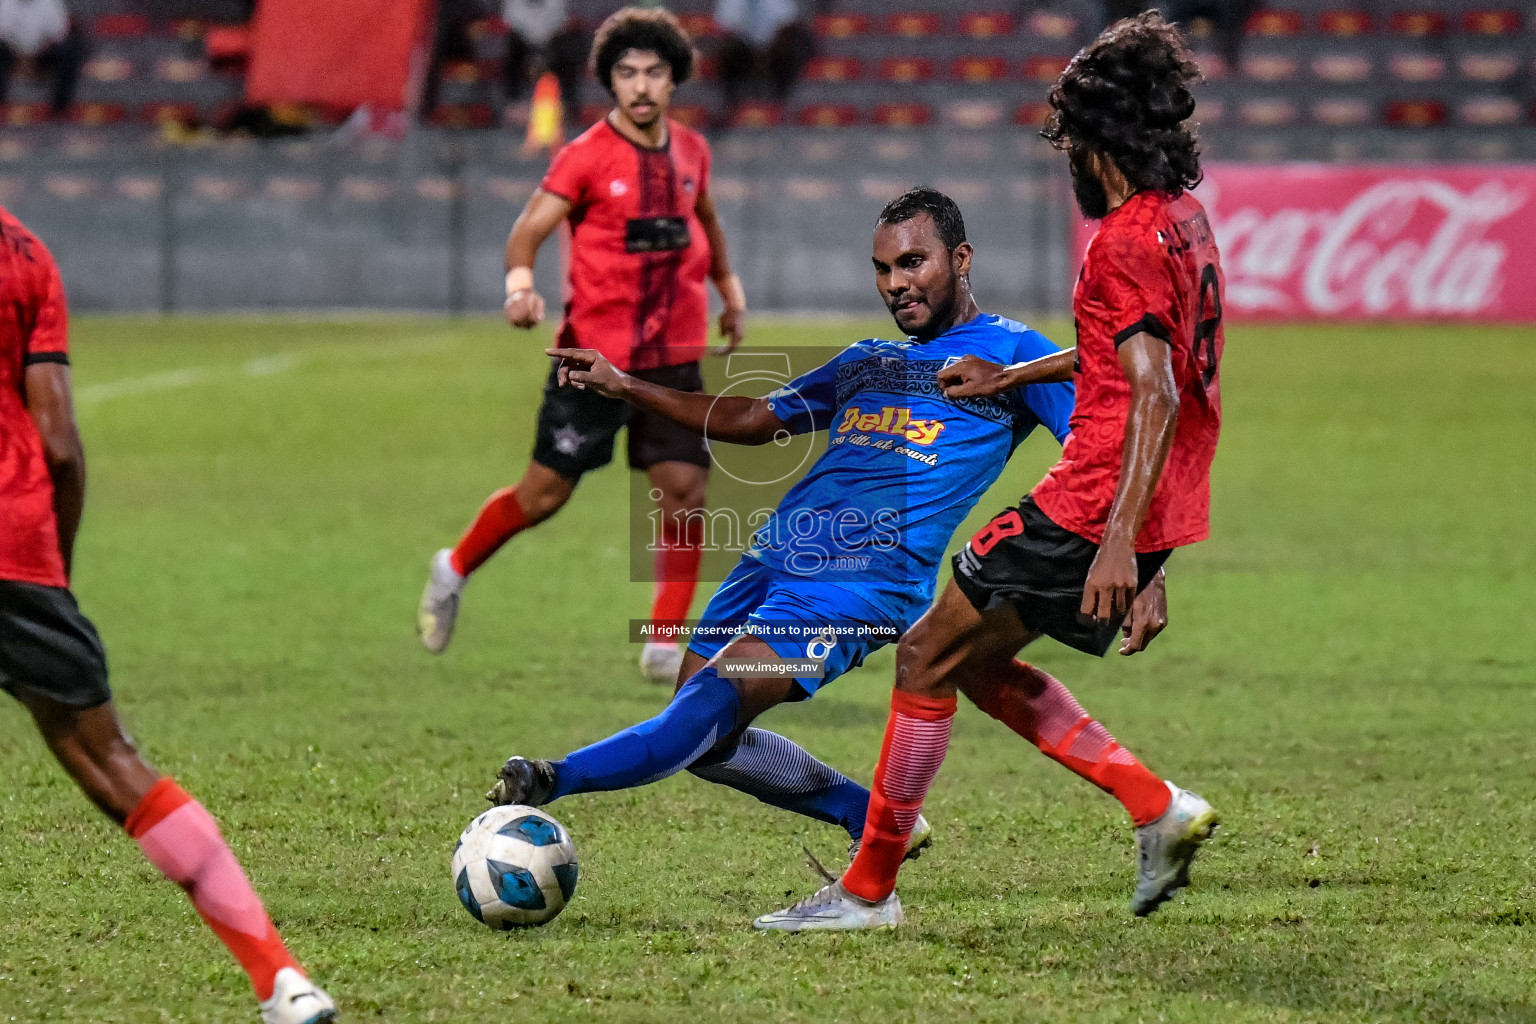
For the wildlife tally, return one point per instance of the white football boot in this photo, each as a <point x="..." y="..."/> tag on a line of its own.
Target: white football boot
<point x="297" y="1000"/>
<point x="833" y="909"/>
<point x="920" y="839"/>
<point x="660" y="663"/>
<point x="1165" y="848"/>
<point x="439" y="607"/>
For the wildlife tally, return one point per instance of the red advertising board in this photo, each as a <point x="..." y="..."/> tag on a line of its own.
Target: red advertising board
<point x="1315" y="241"/>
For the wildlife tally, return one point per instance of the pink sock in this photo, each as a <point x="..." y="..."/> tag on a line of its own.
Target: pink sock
<point x="181" y="839"/>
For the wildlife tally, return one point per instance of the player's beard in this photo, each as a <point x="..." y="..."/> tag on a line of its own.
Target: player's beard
<point x="1087" y="188"/>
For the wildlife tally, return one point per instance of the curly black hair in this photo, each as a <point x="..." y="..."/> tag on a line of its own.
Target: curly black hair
<point x="923" y="199"/>
<point x="641" y="28"/>
<point x="1126" y="96"/>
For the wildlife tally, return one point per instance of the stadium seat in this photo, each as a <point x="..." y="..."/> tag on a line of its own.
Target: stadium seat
<point x="1045" y="69"/>
<point x="1344" y="23"/>
<point x="841" y="26"/>
<point x="487" y="28"/>
<point x="108" y="69"/>
<point x="833" y="69"/>
<point x="827" y="115"/>
<point x="19" y="115"/>
<point x="902" y="115"/>
<point x="1275" y="23"/>
<point x="160" y="112"/>
<point x="911" y="25"/>
<point x="693" y="115"/>
<point x="1269" y="112"/>
<point x="1051" y="25"/>
<point x="1269" y="67"/>
<point x="1491" y="23"/>
<point x="976" y="69"/>
<point x="1212" y="65"/>
<point x="464" y="115"/>
<point x="1489" y="111"/>
<point x="699" y="25"/>
<point x="97" y="114"/>
<point x="461" y="72"/>
<point x="1341" y="67"/>
<point x="227" y="45"/>
<point x="977" y="25"/>
<point x="757" y="114"/>
<point x="1418" y="23"/>
<point x="1488" y="67"/>
<point x="180" y="70"/>
<point x="906" y="70"/>
<point x="973" y="114"/>
<point x="1416" y="113"/>
<point x="1032" y="115"/>
<point x="120" y="26"/>
<point x="1342" y="112"/>
<point x="188" y="30"/>
<point x="1416" y="66"/>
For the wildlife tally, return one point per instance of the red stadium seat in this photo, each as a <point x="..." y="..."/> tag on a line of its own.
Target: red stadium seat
<point x="1342" y="68"/>
<point x="20" y="114"/>
<point x="1416" y="113"/>
<point x="120" y="26"/>
<point x="1344" y="23"/>
<point x="1489" y="111"/>
<point x="1275" y="23"/>
<point x="902" y="115"/>
<point x="189" y="30"/>
<point x="913" y="26"/>
<point x="1045" y="69"/>
<point x="464" y="115"/>
<point x="1491" y="23"/>
<point x="227" y="44"/>
<point x="756" y="114"/>
<point x="1418" y="23"/>
<point x="461" y="72"/>
<point x="827" y="115"/>
<point x="987" y="26"/>
<point x="97" y="113"/>
<point x="1269" y="67"/>
<point x="1049" y="25"/>
<point x="706" y="68"/>
<point x="906" y="69"/>
<point x="1032" y="115"/>
<point x="841" y="26"/>
<point x="485" y="28"/>
<point x="169" y="113"/>
<point x="700" y="26"/>
<point x="1416" y="67"/>
<point x="833" y="69"/>
<point x="1489" y="67"/>
<point x="691" y="114"/>
<point x="108" y="69"/>
<point x="978" y="69"/>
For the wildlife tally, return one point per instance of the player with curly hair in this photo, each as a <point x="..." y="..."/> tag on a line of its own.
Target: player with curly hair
<point x="1133" y="483"/>
<point x="634" y="189"/>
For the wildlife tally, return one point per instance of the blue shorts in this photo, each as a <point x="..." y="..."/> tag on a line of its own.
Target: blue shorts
<point x="799" y="617"/>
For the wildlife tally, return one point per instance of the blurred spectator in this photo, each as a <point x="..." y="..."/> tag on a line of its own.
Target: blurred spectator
<point x="761" y="36"/>
<point x="541" y="36"/>
<point x="451" y="43"/>
<point x="40" y="38"/>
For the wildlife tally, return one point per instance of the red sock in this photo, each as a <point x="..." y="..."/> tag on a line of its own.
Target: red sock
<point x="677" y="576"/>
<point x="1039" y="708"/>
<point x="181" y="839"/>
<point x="916" y="738"/>
<point x="500" y="519"/>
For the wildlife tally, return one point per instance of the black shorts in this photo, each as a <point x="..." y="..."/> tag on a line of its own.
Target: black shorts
<point x="1024" y="558"/>
<point x="48" y="648"/>
<point x="577" y="428"/>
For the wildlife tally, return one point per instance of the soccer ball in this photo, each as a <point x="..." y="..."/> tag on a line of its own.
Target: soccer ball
<point x="514" y="867"/>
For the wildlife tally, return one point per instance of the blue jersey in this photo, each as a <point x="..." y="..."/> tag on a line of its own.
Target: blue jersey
<point x="904" y="465"/>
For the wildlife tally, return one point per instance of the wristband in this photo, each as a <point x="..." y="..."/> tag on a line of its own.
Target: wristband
<point x="519" y="279"/>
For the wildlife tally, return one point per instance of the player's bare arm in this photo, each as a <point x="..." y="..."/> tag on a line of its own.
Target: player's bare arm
<point x="1148" y="365"/>
<point x="735" y="419"/>
<point x="52" y="409"/>
<point x="733" y="318"/>
<point x="973" y="377"/>
<point x="524" y="307"/>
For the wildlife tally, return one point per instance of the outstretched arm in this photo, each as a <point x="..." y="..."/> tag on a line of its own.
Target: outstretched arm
<point x="736" y="419"/>
<point x="978" y="378"/>
<point x="53" y="411"/>
<point x="1148" y="365"/>
<point x="524" y="307"/>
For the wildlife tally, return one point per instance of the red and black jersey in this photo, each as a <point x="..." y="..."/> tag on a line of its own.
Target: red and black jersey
<point x="33" y="329"/>
<point x="639" y="255"/>
<point x="1153" y="267"/>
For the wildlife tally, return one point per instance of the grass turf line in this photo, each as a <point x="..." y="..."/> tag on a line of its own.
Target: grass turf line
<point x="1346" y="677"/>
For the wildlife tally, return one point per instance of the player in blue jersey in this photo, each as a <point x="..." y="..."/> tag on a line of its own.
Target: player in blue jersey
<point x="848" y="560"/>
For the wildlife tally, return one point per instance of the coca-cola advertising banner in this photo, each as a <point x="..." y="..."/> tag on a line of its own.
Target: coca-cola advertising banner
<point x="1301" y="242"/>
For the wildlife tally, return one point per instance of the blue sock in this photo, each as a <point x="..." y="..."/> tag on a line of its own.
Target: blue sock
<point x="701" y="713"/>
<point x="780" y="773"/>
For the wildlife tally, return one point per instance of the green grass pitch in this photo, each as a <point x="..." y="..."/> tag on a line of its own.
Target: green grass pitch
<point x="1348" y="677"/>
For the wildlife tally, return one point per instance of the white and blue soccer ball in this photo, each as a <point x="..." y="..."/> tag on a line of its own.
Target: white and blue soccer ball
<point x="514" y="867"/>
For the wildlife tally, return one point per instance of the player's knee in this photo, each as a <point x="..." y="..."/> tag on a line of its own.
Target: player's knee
<point x="542" y="501"/>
